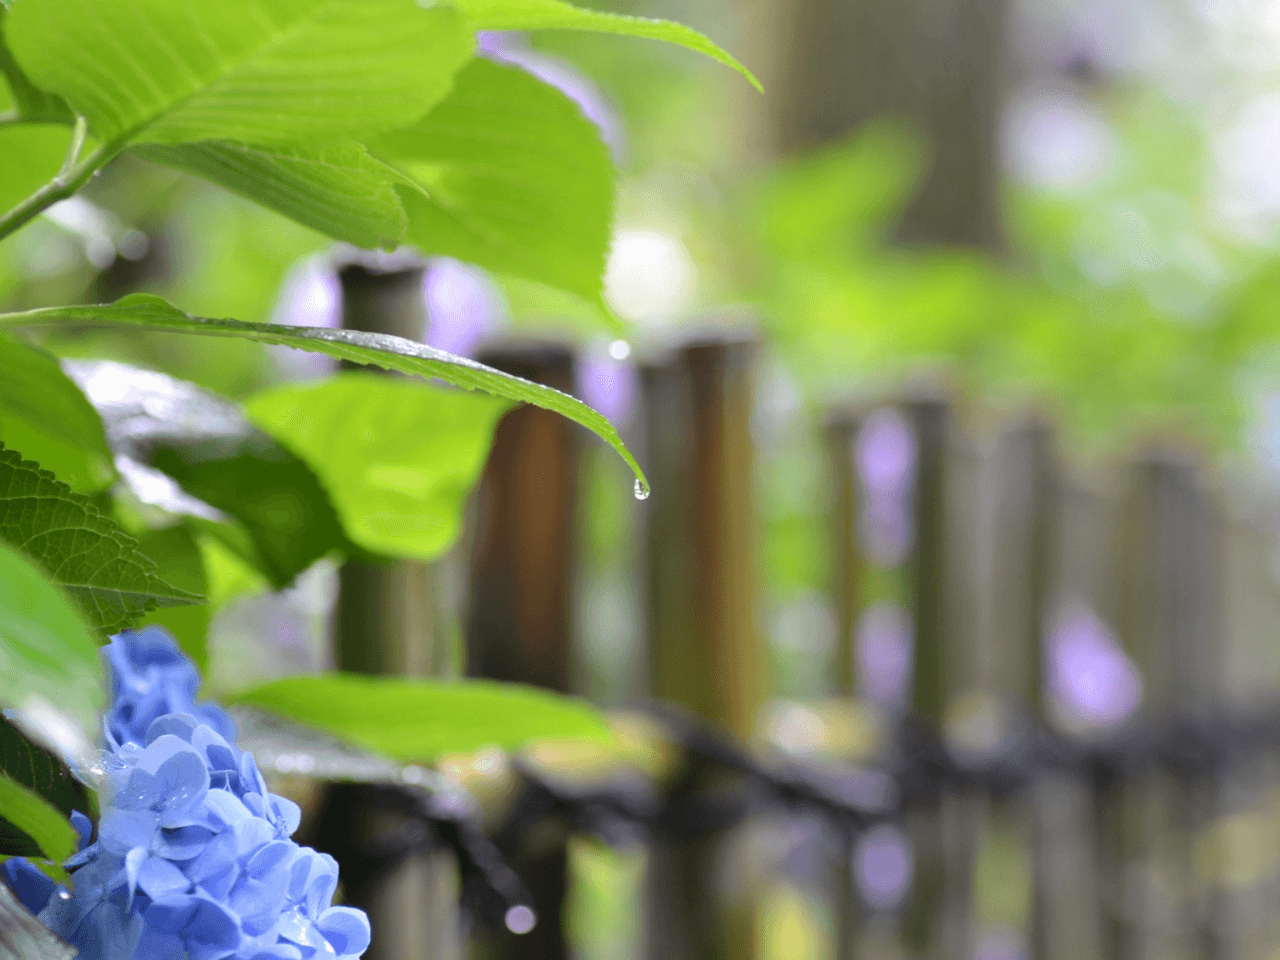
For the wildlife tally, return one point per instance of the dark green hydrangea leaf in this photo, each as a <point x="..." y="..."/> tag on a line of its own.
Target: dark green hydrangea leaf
<point x="83" y="551"/>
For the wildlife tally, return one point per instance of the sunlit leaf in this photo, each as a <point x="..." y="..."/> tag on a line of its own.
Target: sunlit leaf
<point x="335" y="188"/>
<point x="420" y="719"/>
<point x="45" y="417"/>
<point x="33" y="103"/>
<point x="45" y="645"/>
<point x="510" y="175"/>
<point x="390" y="353"/>
<point x="557" y="15"/>
<point x="256" y="71"/>
<point x="398" y="456"/>
<point x="32" y="154"/>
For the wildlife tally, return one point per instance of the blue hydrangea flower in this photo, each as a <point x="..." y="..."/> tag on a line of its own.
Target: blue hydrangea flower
<point x="193" y="859"/>
<point x="150" y="676"/>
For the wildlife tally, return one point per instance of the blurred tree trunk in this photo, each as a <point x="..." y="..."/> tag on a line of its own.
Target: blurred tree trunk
<point x="829" y="66"/>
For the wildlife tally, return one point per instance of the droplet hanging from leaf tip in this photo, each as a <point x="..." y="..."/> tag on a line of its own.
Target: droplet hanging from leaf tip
<point x="641" y="489"/>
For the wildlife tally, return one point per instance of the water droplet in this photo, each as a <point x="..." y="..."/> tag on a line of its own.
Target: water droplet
<point x="642" y="490"/>
<point x="64" y="893"/>
<point x="619" y="349"/>
<point x="520" y="919"/>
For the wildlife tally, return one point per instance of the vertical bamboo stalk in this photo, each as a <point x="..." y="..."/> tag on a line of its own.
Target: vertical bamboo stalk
<point x="848" y="589"/>
<point x="1165" y="627"/>
<point x="705" y="651"/>
<point x="386" y="624"/>
<point x="520" y="609"/>
<point x="930" y="918"/>
<point x="1023" y="577"/>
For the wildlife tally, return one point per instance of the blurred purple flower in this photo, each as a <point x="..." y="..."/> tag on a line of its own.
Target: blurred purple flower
<point x="464" y="306"/>
<point x="884" y="650"/>
<point x="608" y="382"/>
<point x="883" y="867"/>
<point x="885" y="452"/>
<point x="1092" y="683"/>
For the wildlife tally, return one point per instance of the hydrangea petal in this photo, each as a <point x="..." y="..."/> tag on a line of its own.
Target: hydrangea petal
<point x="346" y="929"/>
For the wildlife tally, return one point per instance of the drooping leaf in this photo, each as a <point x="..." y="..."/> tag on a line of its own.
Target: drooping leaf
<point x="268" y="505"/>
<point x="30" y="826"/>
<point x="256" y="71"/>
<point x="33" y="103"/>
<point x="32" y="154"/>
<point x="507" y="173"/>
<point x="335" y="188"/>
<point x="390" y="353"/>
<point x="38" y="770"/>
<point x="420" y="719"/>
<point x="177" y="553"/>
<point x="46" y="647"/>
<point x="84" y="552"/>
<point x="557" y="15"/>
<point x="23" y="937"/>
<point x="398" y="456"/>
<point x="45" y="417"/>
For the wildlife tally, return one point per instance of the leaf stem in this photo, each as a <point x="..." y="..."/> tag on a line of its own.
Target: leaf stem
<point x="73" y="150"/>
<point x="75" y="173"/>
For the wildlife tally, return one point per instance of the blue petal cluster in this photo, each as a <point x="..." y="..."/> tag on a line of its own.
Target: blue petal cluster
<point x="151" y="677"/>
<point x="193" y="857"/>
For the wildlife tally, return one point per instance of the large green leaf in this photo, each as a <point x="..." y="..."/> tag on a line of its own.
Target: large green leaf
<point x="32" y="103"/>
<point x="421" y="719"/>
<point x="256" y="71"/>
<point x="45" y="417"/>
<point x="82" y="551"/>
<point x="32" y="154"/>
<point x="398" y="456"/>
<point x="271" y="509"/>
<point x="46" y="647"/>
<point x="335" y="188"/>
<point x="557" y="15"/>
<point x="390" y="353"/>
<point x="506" y="172"/>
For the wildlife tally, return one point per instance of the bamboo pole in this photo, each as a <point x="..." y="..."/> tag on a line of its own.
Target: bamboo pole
<point x="386" y="623"/>
<point x="706" y="654"/>
<point x="520" y="610"/>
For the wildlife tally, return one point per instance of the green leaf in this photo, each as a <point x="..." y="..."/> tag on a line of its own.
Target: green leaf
<point x="45" y="645"/>
<point x="177" y="553"/>
<point x="37" y="795"/>
<point x="44" y="416"/>
<point x="83" y="551"/>
<point x="33" y="153"/>
<point x="506" y="172"/>
<point x="421" y="719"/>
<point x="270" y="508"/>
<point x="390" y="353"/>
<point x="255" y="71"/>
<point x="556" y="15"/>
<point x="398" y="456"/>
<point x="335" y="188"/>
<point x="32" y="102"/>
